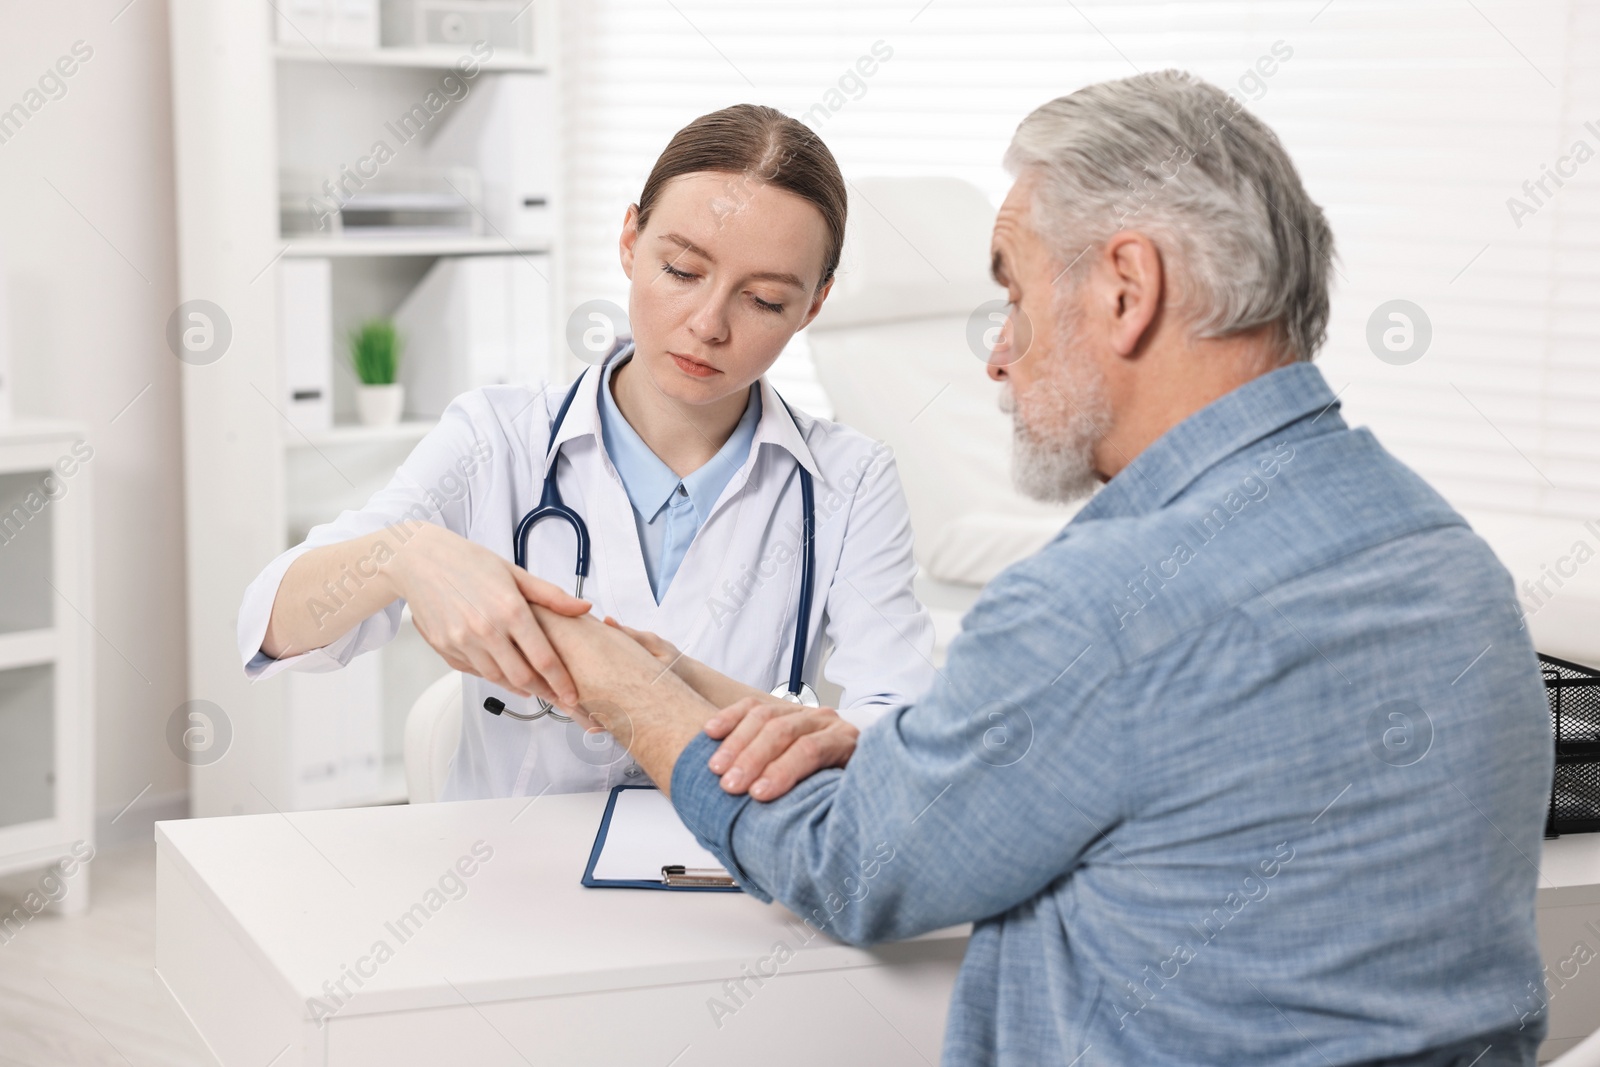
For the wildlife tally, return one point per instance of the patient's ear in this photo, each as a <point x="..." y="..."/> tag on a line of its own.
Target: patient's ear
<point x="1135" y="283"/>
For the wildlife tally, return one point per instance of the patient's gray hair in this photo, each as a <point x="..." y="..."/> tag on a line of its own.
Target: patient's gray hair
<point x="1184" y="163"/>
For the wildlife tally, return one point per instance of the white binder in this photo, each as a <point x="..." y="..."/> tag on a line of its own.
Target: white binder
<point x="305" y="341"/>
<point x="341" y="23"/>
<point x="505" y="128"/>
<point x="474" y="321"/>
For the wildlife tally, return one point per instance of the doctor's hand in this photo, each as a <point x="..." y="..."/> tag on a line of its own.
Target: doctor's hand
<point x="770" y="747"/>
<point x="472" y="606"/>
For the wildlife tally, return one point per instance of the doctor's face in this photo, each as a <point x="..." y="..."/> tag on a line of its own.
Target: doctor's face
<point x="723" y="274"/>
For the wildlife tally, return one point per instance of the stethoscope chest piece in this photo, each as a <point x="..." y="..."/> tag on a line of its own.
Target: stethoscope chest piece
<point x="806" y="696"/>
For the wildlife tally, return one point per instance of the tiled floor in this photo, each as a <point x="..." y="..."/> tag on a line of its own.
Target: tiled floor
<point x="82" y="991"/>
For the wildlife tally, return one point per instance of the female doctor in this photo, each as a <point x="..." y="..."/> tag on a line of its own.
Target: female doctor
<point x="684" y="464"/>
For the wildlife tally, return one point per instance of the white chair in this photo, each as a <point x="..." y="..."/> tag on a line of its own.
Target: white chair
<point x="433" y="729"/>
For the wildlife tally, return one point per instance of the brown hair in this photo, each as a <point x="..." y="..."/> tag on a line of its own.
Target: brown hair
<point x="759" y="144"/>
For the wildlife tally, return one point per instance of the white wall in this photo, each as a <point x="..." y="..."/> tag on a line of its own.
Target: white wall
<point x="87" y="232"/>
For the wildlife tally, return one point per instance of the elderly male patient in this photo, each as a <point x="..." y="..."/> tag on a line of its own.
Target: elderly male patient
<point x="1249" y="764"/>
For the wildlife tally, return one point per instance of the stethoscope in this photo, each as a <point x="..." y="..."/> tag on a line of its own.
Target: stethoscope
<point x="550" y="506"/>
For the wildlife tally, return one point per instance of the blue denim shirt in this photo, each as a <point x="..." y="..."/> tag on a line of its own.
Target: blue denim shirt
<point x="1248" y="765"/>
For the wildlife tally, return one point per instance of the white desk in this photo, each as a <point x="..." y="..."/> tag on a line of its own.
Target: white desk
<point x="1569" y="938"/>
<point x="255" y="913"/>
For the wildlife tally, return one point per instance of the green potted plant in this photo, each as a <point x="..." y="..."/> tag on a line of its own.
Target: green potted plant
<point x="375" y="357"/>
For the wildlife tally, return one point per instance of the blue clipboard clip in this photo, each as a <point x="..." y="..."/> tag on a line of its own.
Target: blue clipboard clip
<point x="675" y="877"/>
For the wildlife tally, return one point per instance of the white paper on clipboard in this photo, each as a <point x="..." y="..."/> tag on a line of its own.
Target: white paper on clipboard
<point x="645" y="835"/>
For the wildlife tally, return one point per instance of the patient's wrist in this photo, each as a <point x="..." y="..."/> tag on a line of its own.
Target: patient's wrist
<point x="654" y="719"/>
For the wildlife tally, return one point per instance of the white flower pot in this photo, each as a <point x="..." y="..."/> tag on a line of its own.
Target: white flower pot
<point x="380" y="405"/>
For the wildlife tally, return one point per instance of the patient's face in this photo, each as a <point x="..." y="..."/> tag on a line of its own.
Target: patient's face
<point x="1041" y="294"/>
<point x="1053" y="387"/>
<point x="723" y="274"/>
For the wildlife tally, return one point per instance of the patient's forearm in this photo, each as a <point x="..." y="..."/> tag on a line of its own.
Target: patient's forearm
<point x="656" y="743"/>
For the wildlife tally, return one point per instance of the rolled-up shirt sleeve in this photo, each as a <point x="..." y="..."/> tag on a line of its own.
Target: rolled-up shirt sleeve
<point x="881" y="634"/>
<point x="437" y="483"/>
<point x="952" y="809"/>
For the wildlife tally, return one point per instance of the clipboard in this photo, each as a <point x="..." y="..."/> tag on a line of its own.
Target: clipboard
<point x="647" y="837"/>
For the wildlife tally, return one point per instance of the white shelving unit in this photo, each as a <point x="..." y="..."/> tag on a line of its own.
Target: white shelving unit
<point x="312" y="247"/>
<point x="46" y="651"/>
<point x="417" y="58"/>
<point x="251" y="110"/>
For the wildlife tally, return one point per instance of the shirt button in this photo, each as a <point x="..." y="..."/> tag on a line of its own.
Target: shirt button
<point x="682" y="491"/>
<point x="632" y="772"/>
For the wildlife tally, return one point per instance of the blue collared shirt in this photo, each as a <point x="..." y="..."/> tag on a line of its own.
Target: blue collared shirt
<point x="1249" y="765"/>
<point x="667" y="510"/>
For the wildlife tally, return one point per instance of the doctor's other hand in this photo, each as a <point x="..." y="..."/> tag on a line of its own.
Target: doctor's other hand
<point x="769" y="748"/>
<point x="472" y="607"/>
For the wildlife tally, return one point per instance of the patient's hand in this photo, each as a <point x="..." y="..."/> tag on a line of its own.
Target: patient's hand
<point x="625" y="691"/>
<point x="772" y="747"/>
<point x="663" y="650"/>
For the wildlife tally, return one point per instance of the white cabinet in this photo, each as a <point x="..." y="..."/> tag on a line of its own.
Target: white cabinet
<point x="354" y="173"/>
<point x="46" y="648"/>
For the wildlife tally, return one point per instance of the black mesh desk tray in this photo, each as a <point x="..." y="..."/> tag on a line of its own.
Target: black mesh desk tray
<point x="1574" y="693"/>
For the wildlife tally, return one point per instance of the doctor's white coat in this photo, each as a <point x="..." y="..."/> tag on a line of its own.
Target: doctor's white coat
<point x="731" y="605"/>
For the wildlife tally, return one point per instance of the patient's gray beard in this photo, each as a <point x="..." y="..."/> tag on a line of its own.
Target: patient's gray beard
<point x="1054" y="428"/>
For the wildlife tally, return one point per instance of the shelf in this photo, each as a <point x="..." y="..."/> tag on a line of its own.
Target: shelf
<point x="420" y="58"/>
<point x="311" y="110"/>
<point x="29" y="430"/>
<point x="405" y="430"/>
<point x="29" y="726"/>
<point x="27" y="648"/>
<point x="412" y="246"/>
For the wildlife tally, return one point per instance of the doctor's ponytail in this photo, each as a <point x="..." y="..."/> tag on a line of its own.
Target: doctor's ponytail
<point x="761" y="145"/>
